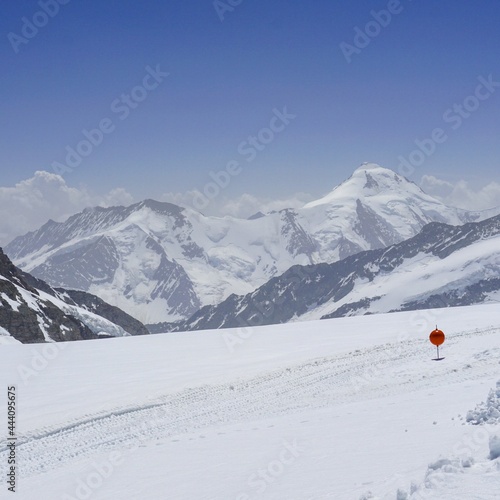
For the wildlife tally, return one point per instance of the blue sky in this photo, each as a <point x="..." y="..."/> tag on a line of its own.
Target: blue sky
<point x="226" y="78"/>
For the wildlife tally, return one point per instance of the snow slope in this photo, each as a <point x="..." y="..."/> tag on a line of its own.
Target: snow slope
<point x="161" y="262"/>
<point x="346" y="408"/>
<point x="423" y="276"/>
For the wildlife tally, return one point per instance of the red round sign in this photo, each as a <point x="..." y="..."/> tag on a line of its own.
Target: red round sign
<point x="436" y="337"/>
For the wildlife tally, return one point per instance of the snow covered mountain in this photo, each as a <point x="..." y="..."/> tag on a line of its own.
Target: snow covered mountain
<point x="440" y="267"/>
<point x="32" y="312"/>
<point x="161" y="262"/>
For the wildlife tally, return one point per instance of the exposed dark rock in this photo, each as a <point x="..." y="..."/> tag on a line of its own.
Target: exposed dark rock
<point x="25" y="315"/>
<point x="22" y="317"/>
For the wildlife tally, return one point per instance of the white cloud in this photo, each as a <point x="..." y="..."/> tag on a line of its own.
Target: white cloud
<point x="186" y="199"/>
<point x="117" y="196"/>
<point x="34" y="201"/>
<point x="243" y="206"/>
<point x="246" y="205"/>
<point x="461" y="194"/>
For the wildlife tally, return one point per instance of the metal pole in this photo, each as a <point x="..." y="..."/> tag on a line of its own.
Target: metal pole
<point x="437" y="347"/>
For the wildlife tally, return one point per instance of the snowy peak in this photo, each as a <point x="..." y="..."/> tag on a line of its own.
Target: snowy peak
<point x="371" y="180"/>
<point x="377" y="180"/>
<point x="377" y="207"/>
<point x="89" y="222"/>
<point x="160" y="207"/>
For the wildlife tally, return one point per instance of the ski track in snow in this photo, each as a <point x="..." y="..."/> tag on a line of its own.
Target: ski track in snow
<point x="319" y="383"/>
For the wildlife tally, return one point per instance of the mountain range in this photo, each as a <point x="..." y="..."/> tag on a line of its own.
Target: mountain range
<point x="164" y="263"/>
<point x="442" y="266"/>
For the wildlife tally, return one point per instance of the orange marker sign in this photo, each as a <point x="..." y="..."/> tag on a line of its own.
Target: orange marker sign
<point x="437" y="338"/>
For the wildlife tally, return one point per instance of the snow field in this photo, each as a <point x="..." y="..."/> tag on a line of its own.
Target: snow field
<point x="322" y="410"/>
